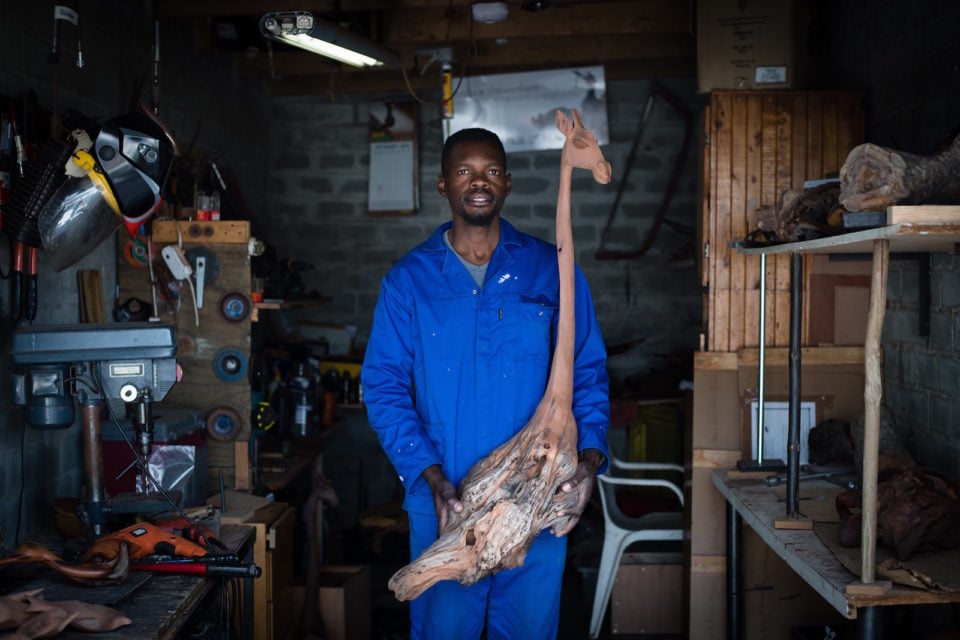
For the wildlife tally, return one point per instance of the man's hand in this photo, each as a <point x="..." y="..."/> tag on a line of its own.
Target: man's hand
<point x="582" y="481"/>
<point x="445" y="498"/>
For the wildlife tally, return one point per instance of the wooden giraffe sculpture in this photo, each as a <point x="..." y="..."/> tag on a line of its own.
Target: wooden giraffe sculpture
<point x="514" y="493"/>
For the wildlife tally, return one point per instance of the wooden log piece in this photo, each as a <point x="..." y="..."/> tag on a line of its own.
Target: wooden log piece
<point x="873" y="178"/>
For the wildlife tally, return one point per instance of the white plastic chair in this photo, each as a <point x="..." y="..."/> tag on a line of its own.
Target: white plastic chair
<point x="622" y="530"/>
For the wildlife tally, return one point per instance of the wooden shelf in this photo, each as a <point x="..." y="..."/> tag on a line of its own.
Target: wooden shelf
<point x="931" y="228"/>
<point x="201" y="231"/>
<point x="274" y="305"/>
<point x="913" y="229"/>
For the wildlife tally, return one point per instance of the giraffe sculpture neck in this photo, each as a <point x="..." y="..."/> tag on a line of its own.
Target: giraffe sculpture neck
<point x="560" y="382"/>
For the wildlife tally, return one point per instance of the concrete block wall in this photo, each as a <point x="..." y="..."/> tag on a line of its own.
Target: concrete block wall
<point x="200" y="100"/>
<point x="922" y="372"/>
<point x="318" y="198"/>
<point x="902" y="55"/>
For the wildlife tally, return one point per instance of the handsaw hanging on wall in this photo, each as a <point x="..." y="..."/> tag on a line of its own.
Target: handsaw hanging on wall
<point x="656" y="91"/>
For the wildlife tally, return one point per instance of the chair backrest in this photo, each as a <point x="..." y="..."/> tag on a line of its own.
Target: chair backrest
<point x="650" y="493"/>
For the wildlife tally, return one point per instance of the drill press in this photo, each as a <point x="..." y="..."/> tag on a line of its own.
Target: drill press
<point x="91" y="364"/>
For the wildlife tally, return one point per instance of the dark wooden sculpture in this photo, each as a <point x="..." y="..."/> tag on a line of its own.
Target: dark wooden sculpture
<point x="917" y="510"/>
<point x="874" y="177"/>
<point x="802" y="215"/>
<point x="513" y="494"/>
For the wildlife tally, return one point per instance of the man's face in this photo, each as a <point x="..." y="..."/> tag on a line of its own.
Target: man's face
<point x="475" y="182"/>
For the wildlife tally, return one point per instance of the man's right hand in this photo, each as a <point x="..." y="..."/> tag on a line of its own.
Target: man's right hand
<point x="445" y="498"/>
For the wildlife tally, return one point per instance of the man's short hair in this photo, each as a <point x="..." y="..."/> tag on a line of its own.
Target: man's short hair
<point x="475" y="134"/>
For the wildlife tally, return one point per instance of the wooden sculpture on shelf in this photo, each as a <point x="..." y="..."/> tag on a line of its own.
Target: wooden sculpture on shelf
<point x="873" y="177"/>
<point x="514" y="493"/>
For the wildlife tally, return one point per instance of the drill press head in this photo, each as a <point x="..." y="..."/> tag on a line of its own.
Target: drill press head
<point x="132" y="362"/>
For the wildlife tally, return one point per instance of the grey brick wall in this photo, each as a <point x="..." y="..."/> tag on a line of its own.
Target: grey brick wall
<point x="318" y="202"/>
<point x="922" y="372"/>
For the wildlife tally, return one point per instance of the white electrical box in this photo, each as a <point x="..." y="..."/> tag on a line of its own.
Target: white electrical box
<point x="776" y="422"/>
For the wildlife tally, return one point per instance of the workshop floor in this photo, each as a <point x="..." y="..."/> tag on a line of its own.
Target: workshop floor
<point x="385" y="553"/>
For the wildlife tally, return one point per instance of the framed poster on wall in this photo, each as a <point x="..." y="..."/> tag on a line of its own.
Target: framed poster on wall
<point x="521" y="107"/>
<point x="393" y="183"/>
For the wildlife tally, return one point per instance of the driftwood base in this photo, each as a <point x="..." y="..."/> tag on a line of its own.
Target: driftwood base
<point x="509" y="497"/>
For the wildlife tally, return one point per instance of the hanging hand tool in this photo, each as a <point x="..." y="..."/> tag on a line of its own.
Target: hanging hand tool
<point x="155" y="93"/>
<point x="66" y="14"/>
<point x="18" y="142"/>
<point x="23" y="282"/>
<point x="30" y="292"/>
<point x="16" y="280"/>
<point x="21" y="214"/>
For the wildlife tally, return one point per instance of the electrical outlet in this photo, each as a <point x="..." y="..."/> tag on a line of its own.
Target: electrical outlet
<point x="176" y="262"/>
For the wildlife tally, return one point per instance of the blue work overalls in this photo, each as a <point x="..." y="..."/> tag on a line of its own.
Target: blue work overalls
<point x="453" y="370"/>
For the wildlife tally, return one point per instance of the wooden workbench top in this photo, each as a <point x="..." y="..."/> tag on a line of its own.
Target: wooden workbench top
<point x="760" y="506"/>
<point x="159" y="606"/>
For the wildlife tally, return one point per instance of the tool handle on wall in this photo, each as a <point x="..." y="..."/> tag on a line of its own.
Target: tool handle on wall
<point x="16" y="282"/>
<point x="31" y="292"/>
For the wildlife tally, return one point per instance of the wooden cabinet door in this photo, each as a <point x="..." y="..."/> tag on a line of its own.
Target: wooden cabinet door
<point x="757" y="144"/>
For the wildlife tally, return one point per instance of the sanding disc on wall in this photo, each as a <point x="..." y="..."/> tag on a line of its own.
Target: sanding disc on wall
<point x="235" y="306"/>
<point x="230" y="364"/>
<point x="224" y="423"/>
<point x="135" y="252"/>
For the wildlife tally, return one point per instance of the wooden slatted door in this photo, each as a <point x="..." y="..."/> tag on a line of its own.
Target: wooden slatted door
<point x="757" y="144"/>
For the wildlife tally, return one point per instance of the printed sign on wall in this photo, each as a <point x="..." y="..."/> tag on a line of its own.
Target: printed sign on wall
<point x="393" y="159"/>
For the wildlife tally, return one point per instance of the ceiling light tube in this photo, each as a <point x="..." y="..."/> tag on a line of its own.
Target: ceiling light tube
<point x="301" y="29"/>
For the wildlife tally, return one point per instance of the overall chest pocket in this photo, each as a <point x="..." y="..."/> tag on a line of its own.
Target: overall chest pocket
<point x="523" y="327"/>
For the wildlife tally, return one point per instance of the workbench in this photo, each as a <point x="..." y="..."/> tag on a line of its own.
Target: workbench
<point x="164" y="604"/>
<point x="760" y="506"/>
<point x="910" y="229"/>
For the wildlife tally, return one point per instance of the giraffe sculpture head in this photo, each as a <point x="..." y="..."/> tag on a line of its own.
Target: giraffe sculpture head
<point x="581" y="149"/>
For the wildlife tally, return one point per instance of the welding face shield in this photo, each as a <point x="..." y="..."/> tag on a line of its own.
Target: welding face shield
<point x="119" y="179"/>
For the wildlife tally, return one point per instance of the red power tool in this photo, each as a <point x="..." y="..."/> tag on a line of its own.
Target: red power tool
<point x="153" y="549"/>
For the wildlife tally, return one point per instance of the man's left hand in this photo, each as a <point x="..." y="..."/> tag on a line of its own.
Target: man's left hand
<point x="582" y="482"/>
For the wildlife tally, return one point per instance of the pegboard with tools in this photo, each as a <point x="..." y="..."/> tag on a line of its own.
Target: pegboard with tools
<point x="214" y="342"/>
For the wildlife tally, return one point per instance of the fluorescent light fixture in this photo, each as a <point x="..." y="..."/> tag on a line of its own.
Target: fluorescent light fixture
<point x="301" y="29"/>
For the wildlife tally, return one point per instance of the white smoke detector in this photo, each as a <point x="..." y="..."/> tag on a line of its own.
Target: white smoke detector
<point x="489" y="12"/>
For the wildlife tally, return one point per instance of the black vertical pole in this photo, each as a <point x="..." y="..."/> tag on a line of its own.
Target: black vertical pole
<point x="734" y="574"/>
<point x="793" y="435"/>
<point x="869" y="623"/>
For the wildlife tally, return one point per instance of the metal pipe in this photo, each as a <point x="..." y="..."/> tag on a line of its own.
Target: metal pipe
<point x="793" y="434"/>
<point x="869" y="623"/>
<point x="96" y="495"/>
<point x="761" y="356"/>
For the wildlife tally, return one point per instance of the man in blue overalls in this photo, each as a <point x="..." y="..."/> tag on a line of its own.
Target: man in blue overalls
<point x="457" y="361"/>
